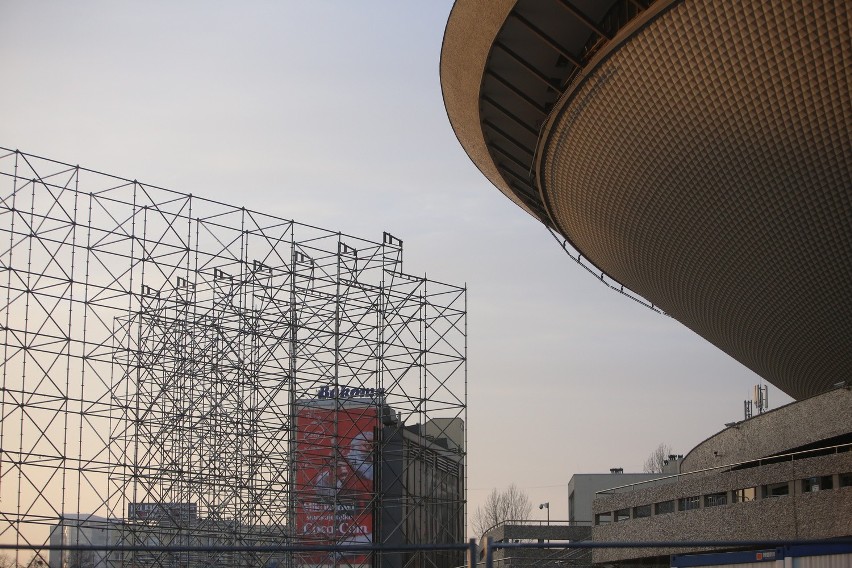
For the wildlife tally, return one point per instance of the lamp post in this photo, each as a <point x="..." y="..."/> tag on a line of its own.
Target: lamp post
<point x="546" y="506"/>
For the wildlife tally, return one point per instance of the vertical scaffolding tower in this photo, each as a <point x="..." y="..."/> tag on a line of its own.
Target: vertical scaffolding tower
<point x="180" y="372"/>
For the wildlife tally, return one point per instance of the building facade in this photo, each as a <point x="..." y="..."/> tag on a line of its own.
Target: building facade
<point x="780" y="475"/>
<point x="696" y="156"/>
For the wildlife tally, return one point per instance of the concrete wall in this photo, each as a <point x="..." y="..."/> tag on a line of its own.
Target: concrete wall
<point x="471" y="29"/>
<point x="822" y="514"/>
<point x="776" y="431"/>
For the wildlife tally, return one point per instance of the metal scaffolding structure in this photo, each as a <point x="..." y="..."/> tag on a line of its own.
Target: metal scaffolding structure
<point x="178" y="371"/>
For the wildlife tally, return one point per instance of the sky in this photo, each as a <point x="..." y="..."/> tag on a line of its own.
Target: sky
<point x="330" y="113"/>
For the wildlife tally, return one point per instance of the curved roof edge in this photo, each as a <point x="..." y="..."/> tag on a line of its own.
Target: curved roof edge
<point x="777" y="431"/>
<point x="470" y="32"/>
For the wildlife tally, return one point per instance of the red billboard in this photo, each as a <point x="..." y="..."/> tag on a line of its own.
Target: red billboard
<point x="334" y="479"/>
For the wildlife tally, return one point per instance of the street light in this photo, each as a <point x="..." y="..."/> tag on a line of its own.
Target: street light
<point x="546" y="506"/>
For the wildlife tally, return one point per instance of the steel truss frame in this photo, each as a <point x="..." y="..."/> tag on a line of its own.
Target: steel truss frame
<point x="156" y="348"/>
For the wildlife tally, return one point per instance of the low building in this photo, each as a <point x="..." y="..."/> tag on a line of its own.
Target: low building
<point x="583" y="487"/>
<point x="782" y="475"/>
<point x="362" y="476"/>
<point x="539" y="531"/>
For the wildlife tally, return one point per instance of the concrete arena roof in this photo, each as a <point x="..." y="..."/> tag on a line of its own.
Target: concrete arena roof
<point x="467" y="42"/>
<point x="698" y="152"/>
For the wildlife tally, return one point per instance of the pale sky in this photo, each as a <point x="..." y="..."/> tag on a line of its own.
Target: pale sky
<point x="330" y="113"/>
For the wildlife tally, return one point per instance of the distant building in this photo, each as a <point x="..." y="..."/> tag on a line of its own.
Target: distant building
<point x="362" y="477"/>
<point x="583" y="486"/>
<point x="146" y="534"/>
<point x="422" y="492"/>
<point x="582" y="489"/>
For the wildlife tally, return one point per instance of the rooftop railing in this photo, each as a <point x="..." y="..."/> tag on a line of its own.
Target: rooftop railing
<point x="779" y="458"/>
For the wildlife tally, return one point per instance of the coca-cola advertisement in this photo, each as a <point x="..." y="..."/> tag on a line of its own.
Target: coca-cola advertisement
<point x="334" y="479"/>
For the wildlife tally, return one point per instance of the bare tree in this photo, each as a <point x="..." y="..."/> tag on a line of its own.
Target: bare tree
<point x="511" y="504"/>
<point x="7" y="561"/>
<point x="37" y="561"/>
<point x="658" y="458"/>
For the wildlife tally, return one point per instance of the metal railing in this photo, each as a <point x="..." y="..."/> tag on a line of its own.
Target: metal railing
<point x="539" y="523"/>
<point x="476" y="557"/>
<point x="490" y="547"/>
<point x="769" y="460"/>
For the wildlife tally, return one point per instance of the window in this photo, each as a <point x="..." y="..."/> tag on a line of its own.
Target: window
<point x="812" y="484"/>
<point x="664" y="507"/>
<point x="776" y="490"/>
<point x="622" y="515"/>
<point x="603" y="518"/>
<point x="846" y="479"/>
<point x="744" y="495"/>
<point x="641" y="512"/>
<point x="715" y="499"/>
<point x="688" y="503"/>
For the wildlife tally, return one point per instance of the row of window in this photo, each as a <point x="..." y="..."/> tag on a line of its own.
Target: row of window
<point x="745" y="494"/>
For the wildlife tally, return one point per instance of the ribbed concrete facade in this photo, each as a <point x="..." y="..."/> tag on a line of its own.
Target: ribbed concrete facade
<point x="779" y="495"/>
<point x="813" y="515"/>
<point x="775" y="432"/>
<point x="706" y="165"/>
